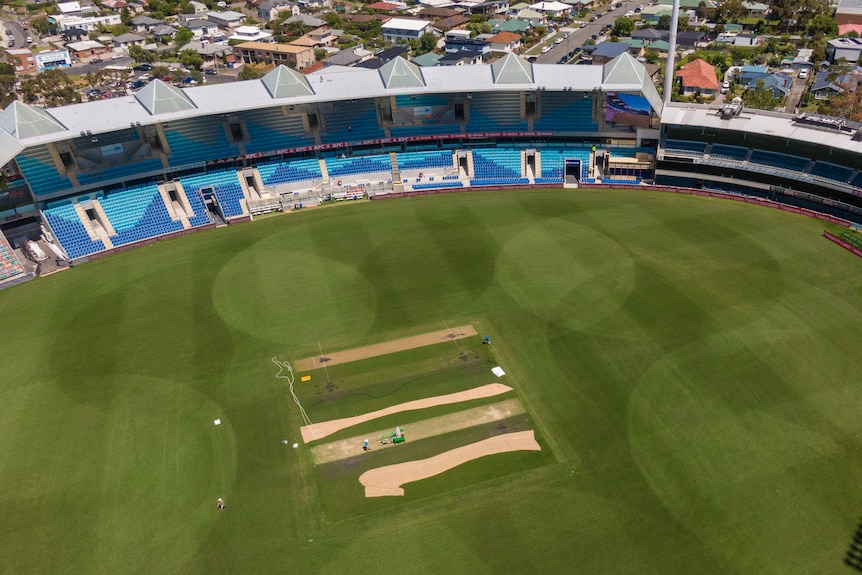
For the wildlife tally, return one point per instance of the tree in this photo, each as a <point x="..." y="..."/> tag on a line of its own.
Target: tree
<point x="760" y="98"/>
<point x="191" y="59"/>
<point x="624" y="26"/>
<point x="248" y="73"/>
<point x="140" y="54"/>
<point x="40" y="24"/>
<point x="702" y="11"/>
<point x="822" y="25"/>
<point x="320" y="54"/>
<point x="427" y="42"/>
<point x="182" y="37"/>
<point x="730" y="11"/>
<point x="7" y="84"/>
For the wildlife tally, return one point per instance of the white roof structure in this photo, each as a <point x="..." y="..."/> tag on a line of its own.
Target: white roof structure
<point x="770" y="124"/>
<point x="406" y="24"/>
<point x="160" y="102"/>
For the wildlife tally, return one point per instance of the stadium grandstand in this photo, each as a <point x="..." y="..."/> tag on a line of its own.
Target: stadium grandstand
<point x="88" y="179"/>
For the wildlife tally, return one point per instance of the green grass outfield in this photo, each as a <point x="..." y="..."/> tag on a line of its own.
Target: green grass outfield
<point x="693" y="366"/>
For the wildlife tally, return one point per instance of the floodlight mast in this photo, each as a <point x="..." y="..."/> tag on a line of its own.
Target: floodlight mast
<point x="671" y="52"/>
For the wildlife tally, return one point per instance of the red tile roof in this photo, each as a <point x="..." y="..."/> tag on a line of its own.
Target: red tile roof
<point x="698" y="74"/>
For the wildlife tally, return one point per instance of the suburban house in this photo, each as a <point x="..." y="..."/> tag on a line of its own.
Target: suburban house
<point x="404" y="29"/>
<point x="268" y="10"/>
<point x="460" y="58"/>
<point x="848" y="12"/>
<point x="756" y="8"/>
<point x="460" y="41"/>
<point x="452" y="23"/>
<point x="143" y="24"/>
<point x="129" y="39"/>
<point x="348" y="57"/>
<point x="504" y="42"/>
<point x="21" y="59"/>
<point x="747" y="40"/>
<point x="204" y="29"/>
<point x="297" y="57"/>
<point x="86" y="49"/>
<point x="552" y="9"/>
<point x="251" y="34"/>
<point x="778" y="84"/>
<point x="697" y="77"/>
<point x="848" y="48"/>
<point x="227" y="19"/>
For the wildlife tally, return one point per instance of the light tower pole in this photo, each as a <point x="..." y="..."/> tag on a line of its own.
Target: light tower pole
<point x="671" y="52"/>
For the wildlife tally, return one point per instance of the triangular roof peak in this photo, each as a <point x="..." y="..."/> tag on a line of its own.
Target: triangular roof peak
<point x="284" y="82"/>
<point x="512" y="69"/>
<point x="399" y="73"/>
<point x="161" y="98"/>
<point x="25" y="121"/>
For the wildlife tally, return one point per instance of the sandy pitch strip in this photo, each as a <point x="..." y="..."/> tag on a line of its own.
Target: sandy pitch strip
<point x="385" y="348"/>
<point x="483" y="414"/>
<point x="385" y="481"/>
<point x="320" y="430"/>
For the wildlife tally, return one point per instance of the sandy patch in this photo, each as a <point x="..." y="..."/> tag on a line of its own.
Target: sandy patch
<point x="385" y="481"/>
<point x="320" y="430"/>
<point x="346" y="448"/>
<point x="385" y="348"/>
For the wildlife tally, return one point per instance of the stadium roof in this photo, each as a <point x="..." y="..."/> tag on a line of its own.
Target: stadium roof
<point x="24" y="121"/>
<point x="284" y="82"/>
<point x="770" y="124"/>
<point x="159" y="98"/>
<point x="399" y="73"/>
<point x="510" y="69"/>
<point x="159" y="102"/>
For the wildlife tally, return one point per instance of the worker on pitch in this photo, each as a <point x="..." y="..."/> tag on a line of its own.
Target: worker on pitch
<point x="365" y="446"/>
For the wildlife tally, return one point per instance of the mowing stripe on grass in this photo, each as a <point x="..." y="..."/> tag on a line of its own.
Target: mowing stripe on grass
<point x="385" y="347"/>
<point x="384" y="481"/>
<point x="345" y="448"/>
<point x="320" y="430"/>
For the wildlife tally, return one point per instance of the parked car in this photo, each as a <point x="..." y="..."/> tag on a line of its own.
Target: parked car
<point x="117" y="56"/>
<point x="95" y="60"/>
<point x="725" y="87"/>
<point x="211" y="72"/>
<point x="803" y="74"/>
<point x="29" y="40"/>
<point x="559" y="40"/>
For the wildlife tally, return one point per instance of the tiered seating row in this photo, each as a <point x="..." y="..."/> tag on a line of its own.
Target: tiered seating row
<point x="138" y="213"/>
<point x="70" y="232"/>
<point x="725" y="152"/>
<point x="566" y="112"/>
<point x="198" y="140"/>
<point x="361" y="165"/>
<point x="778" y="160"/>
<point x="831" y="171"/>
<point x="351" y="122"/>
<point x="120" y="171"/>
<point x="38" y="169"/>
<point x="277" y="172"/>
<point x="424" y="130"/>
<point x="424" y="160"/>
<point x="685" y="148"/>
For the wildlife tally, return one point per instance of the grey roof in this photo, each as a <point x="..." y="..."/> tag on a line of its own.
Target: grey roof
<point x="511" y="69"/>
<point x="25" y="121"/>
<point x="284" y="82"/>
<point x="625" y="74"/>
<point x="146" y="21"/>
<point x="128" y="37"/>
<point x="160" y="98"/>
<point x="399" y="73"/>
<point x="307" y="20"/>
<point x="610" y="49"/>
<point x="163" y="30"/>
